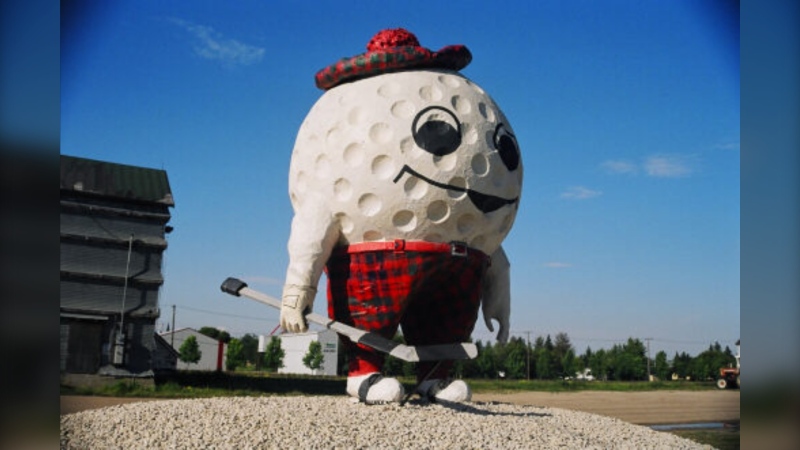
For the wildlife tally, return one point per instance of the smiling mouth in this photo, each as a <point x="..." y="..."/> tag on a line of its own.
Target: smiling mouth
<point x="484" y="202"/>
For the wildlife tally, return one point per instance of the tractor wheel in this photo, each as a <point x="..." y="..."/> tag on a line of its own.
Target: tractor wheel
<point x="722" y="383"/>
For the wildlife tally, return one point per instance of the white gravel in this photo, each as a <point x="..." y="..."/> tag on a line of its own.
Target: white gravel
<point x="337" y="422"/>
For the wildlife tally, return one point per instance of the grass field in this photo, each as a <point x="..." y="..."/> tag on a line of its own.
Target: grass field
<point x="722" y="439"/>
<point x="212" y="384"/>
<point x="576" y="386"/>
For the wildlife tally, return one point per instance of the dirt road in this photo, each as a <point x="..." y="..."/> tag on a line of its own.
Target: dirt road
<point x="645" y="408"/>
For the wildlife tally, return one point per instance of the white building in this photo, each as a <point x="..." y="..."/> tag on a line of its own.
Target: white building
<point x="585" y="374"/>
<point x="212" y="351"/>
<point x="295" y="347"/>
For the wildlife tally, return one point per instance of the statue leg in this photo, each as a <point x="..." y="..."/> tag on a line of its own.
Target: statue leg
<point x="444" y="311"/>
<point x="359" y="295"/>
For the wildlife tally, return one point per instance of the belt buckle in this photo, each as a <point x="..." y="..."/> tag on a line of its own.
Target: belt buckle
<point x="458" y="248"/>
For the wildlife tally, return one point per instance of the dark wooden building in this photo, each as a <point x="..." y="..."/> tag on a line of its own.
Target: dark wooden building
<point x="114" y="221"/>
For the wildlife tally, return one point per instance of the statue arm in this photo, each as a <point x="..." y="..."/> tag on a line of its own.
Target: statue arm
<point x="313" y="235"/>
<point x="496" y="295"/>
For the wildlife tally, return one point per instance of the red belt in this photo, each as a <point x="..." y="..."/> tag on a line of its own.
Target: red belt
<point x="401" y="245"/>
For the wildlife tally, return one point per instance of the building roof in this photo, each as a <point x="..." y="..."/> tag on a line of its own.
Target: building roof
<point x="164" y="344"/>
<point x="115" y="180"/>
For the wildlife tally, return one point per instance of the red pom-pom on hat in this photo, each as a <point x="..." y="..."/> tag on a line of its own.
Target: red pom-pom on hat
<point x="386" y="39"/>
<point x="392" y="50"/>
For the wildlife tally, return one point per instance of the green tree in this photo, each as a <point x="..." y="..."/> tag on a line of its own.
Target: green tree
<point x="396" y="367"/>
<point x="536" y="350"/>
<point x="586" y="358"/>
<point x="553" y="368"/>
<point x="680" y="364"/>
<point x="613" y="361"/>
<point x="314" y="358"/>
<point x="706" y="365"/>
<point x="531" y="355"/>
<point x="561" y="347"/>
<point x="514" y="358"/>
<point x="544" y="365"/>
<point x="216" y="333"/>
<point x="629" y="361"/>
<point x="467" y="368"/>
<point x="569" y="363"/>
<point x="190" y="351"/>
<point x="485" y="361"/>
<point x="392" y="367"/>
<point x="599" y="364"/>
<point x="273" y="357"/>
<point x="250" y="347"/>
<point x="235" y="355"/>
<point x="661" y="369"/>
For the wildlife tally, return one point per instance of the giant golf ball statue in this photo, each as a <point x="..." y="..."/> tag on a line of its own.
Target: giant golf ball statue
<point x="405" y="179"/>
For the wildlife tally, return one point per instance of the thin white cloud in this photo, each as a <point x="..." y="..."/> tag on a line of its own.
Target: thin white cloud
<point x="659" y="166"/>
<point x="212" y="45"/>
<point x="668" y="166"/>
<point x="579" y="193"/>
<point x="620" y="166"/>
<point x="557" y="265"/>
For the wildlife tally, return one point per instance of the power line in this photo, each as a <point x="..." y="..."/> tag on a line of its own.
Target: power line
<point x="673" y="341"/>
<point x="217" y="313"/>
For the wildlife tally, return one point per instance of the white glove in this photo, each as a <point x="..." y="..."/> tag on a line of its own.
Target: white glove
<point x="496" y="295"/>
<point x="297" y="301"/>
<point x="314" y="233"/>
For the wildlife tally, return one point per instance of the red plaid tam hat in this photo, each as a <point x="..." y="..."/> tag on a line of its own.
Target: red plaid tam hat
<point x="392" y="50"/>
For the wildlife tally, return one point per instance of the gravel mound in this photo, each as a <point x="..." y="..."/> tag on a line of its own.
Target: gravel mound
<point x="338" y="422"/>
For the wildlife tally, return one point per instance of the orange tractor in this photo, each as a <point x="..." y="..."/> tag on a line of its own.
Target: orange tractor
<point x="729" y="376"/>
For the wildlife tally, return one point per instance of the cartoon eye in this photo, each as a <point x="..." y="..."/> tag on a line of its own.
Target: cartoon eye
<point x="506" y="145"/>
<point x="437" y="131"/>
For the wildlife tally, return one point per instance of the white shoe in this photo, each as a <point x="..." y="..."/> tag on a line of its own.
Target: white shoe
<point x="447" y="390"/>
<point x="374" y="388"/>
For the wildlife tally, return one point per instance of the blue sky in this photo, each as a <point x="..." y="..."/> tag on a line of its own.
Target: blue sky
<point x="627" y="116"/>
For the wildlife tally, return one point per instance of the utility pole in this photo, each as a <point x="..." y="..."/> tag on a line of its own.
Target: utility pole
<point x="648" y="357"/>
<point x="172" y="341"/>
<point x="125" y="286"/>
<point x="119" y="341"/>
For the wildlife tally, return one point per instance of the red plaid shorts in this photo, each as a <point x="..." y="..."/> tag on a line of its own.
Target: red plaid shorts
<point x="434" y="295"/>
